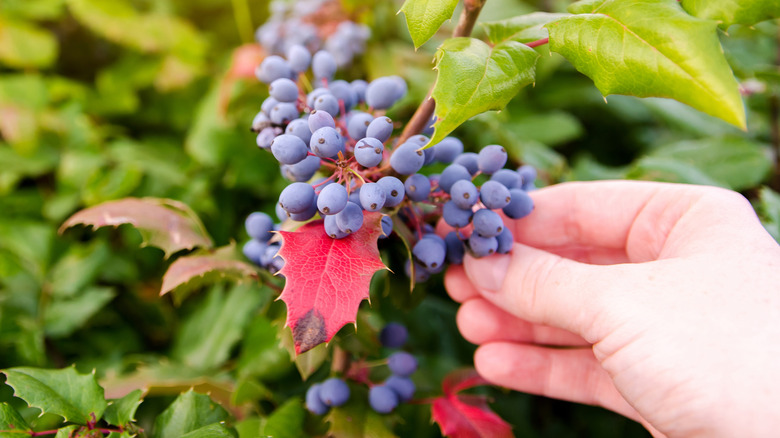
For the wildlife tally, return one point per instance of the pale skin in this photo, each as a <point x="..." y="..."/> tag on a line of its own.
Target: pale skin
<point x="660" y="302"/>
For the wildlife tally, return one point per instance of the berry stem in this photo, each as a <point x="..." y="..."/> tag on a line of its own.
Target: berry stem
<point x="422" y="117"/>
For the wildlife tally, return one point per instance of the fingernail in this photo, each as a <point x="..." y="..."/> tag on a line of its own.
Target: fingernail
<point x="487" y="273"/>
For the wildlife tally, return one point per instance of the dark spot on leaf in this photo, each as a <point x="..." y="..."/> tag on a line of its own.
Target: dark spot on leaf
<point x="309" y="331"/>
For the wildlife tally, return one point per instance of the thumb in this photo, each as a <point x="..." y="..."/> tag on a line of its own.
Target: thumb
<point x="548" y="289"/>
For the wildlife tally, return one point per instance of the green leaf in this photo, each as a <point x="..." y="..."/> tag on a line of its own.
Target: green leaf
<point x="356" y="419"/>
<point x="207" y="336"/>
<point x="24" y="45"/>
<point x="551" y="128"/>
<point x="286" y="421"/>
<point x="730" y="12"/>
<point x="121" y="411"/>
<point x="522" y="28"/>
<point x="474" y="77"/>
<point x="425" y="17"/>
<point x="11" y="423"/>
<point x="769" y="211"/>
<point x="76" y="397"/>
<point x="735" y="162"/>
<point x="670" y="170"/>
<point x="261" y="355"/>
<point x="167" y="224"/>
<point x="67" y="431"/>
<point x="650" y="48"/>
<point x="77" y="268"/>
<point x="211" y="431"/>
<point x="66" y="314"/>
<point x="118" y="22"/>
<point x="307" y="362"/>
<point x="33" y="9"/>
<point x="189" y="412"/>
<point x="192" y="272"/>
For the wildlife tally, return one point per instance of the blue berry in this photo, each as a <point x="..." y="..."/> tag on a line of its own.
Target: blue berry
<point x="372" y="196"/>
<point x="451" y="174"/>
<point x="351" y="218"/>
<point x="268" y="104"/>
<point x="487" y="223"/>
<point x="482" y="246"/>
<point x="283" y="90"/>
<point x="323" y="65"/>
<point x="272" y="68"/>
<point x="491" y="158"/>
<point x="332" y="199"/>
<point x="402" y="364"/>
<point x="300" y="129"/>
<point x="343" y="92"/>
<point x="358" y="124"/>
<point x="320" y="119"/>
<point x="394" y="190"/>
<point x="520" y="206"/>
<point x="359" y="86"/>
<point x="259" y="226"/>
<point x="328" y="103"/>
<point x="326" y="142"/>
<point x="464" y="194"/>
<point x="332" y="228"/>
<point x="455" y="248"/>
<point x="393" y="335"/>
<point x="253" y="250"/>
<point x="334" y="392"/>
<point x="494" y="195"/>
<point x="407" y="159"/>
<point x="383" y="92"/>
<point x="387" y="226"/>
<point x="402" y="386"/>
<point x="429" y="253"/>
<point x="283" y="113"/>
<point x="505" y="241"/>
<point x="369" y="152"/>
<point x="297" y="197"/>
<point x="313" y="401"/>
<point x="469" y="161"/>
<point x="380" y="128"/>
<point x="509" y="178"/>
<point x="417" y="187"/>
<point x="299" y="58"/>
<point x="303" y="170"/>
<point x="448" y="149"/>
<point x="527" y="174"/>
<point x="289" y="149"/>
<point x="382" y="399"/>
<point x="266" y="137"/>
<point x="455" y="216"/>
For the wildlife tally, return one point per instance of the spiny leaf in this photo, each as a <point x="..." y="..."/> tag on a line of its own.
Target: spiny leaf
<point x="425" y="17"/>
<point x="466" y="416"/>
<point x="326" y="278"/>
<point x="474" y="77"/>
<point x="193" y="271"/>
<point x="522" y="28"/>
<point x="76" y="397"/>
<point x="165" y="223"/>
<point x="189" y="412"/>
<point x="730" y="12"/>
<point x="210" y="431"/>
<point x="12" y="425"/>
<point x="649" y="48"/>
<point x="121" y="411"/>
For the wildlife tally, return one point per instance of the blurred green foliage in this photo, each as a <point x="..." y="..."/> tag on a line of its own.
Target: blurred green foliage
<point x="101" y="100"/>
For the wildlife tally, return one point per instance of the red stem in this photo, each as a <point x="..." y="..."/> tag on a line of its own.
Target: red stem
<point x="538" y="43"/>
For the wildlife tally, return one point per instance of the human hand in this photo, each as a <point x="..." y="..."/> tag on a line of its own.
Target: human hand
<point x="668" y="297"/>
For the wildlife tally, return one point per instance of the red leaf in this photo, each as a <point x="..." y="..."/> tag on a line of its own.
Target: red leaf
<point x="466" y="416"/>
<point x="326" y="278"/>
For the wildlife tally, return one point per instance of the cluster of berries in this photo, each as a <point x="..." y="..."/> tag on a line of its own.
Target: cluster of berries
<point x="384" y="397"/>
<point x="397" y="388"/>
<point x="339" y="134"/>
<point x="314" y="24"/>
<point x="259" y="250"/>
